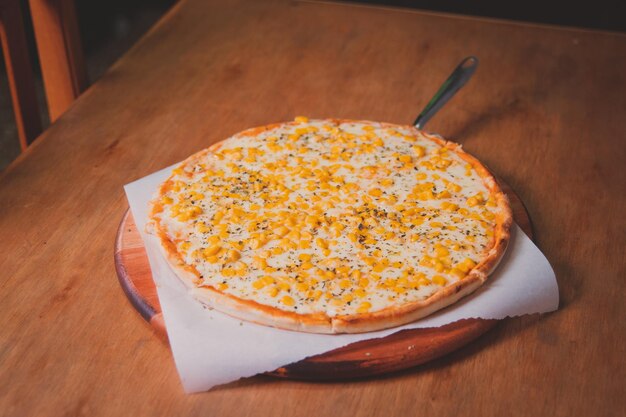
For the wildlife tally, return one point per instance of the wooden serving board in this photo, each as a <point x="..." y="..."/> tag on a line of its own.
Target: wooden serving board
<point x="397" y="351"/>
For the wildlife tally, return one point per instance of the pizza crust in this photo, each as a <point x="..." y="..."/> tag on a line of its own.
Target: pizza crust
<point x="392" y="316"/>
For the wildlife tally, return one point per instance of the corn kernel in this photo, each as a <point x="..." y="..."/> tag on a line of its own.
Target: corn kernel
<point x="441" y="251"/>
<point x="453" y="188"/>
<point x="329" y="274"/>
<point x="423" y="281"/>
<point x="449" y="206"/>
<point x="287" y="244"/>
<point x="364" y="307"/>
<point x="399" y="289"/>
<point x="458" y="273"/>
<point x="294" y="235"/>
<point x="211" y="250"/>
<point x="311" y="220"/>
<point x="256" y="243"/>
<point x="466" y="265"/>
<point x="439" y="280"/>
<point x="277" y="250"/>
<point x="281" y="231"/>
<point x="419" y="151"/>
<point x="203" y="228"/>
<point x="360" y="292"/>
<point x="337" y="226"/>
<point x="228" y="272"/>
<point x="321" y="243"/>
<point x="258" y="284"/>
<point x="232" y="255"/>
<point x="284" y="286"/>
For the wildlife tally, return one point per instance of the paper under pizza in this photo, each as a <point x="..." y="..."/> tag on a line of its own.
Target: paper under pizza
<point x="331" y="226"/>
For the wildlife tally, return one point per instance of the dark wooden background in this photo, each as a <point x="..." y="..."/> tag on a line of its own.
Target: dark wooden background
<point x="110" y="28"/>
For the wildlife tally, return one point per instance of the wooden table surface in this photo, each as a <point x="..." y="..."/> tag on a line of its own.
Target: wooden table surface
<point x="546" y="111"/>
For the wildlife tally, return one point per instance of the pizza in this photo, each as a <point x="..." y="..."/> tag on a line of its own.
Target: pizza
<point x="331" y="226"/>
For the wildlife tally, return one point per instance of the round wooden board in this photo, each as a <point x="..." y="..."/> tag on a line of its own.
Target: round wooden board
<point x="398" y="351"/>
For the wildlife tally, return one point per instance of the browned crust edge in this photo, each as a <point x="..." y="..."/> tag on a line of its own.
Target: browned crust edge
<point x="358" y="323"/>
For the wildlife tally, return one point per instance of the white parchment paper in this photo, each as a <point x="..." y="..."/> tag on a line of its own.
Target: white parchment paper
<point x="211" y="348"/>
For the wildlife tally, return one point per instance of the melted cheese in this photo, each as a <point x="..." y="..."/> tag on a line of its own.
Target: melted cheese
<point x="334" y="218"/>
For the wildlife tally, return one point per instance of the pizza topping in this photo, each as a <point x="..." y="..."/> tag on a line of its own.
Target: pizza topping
<point x="338" y="218"/>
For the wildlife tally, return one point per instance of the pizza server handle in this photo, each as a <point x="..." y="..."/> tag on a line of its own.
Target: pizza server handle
<point x="461" y="74"/>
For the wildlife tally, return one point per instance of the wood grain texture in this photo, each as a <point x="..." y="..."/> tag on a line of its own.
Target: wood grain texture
<point x="370" y="357"/>
<point x="60" y="54"/>
<point x="19" y="72"/>
<point x="545" y="110"/>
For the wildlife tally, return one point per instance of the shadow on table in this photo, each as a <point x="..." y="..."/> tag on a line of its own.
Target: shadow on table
<point x="518" y="326"/>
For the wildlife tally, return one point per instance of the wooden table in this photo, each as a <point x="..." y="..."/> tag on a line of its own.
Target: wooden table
<point x="545" y="111"/>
